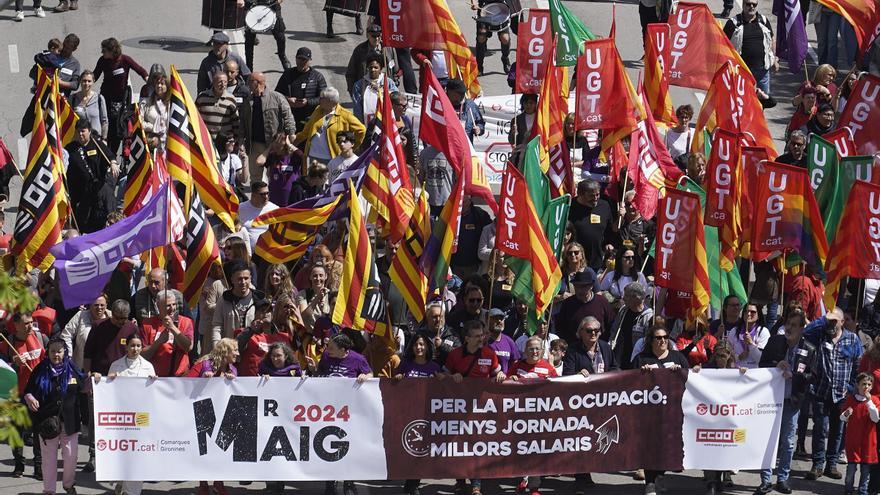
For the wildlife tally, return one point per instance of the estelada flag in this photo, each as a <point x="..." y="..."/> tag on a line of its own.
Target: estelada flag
<point x="863" y="15"/>
<point x="701" y="47"/>
<point x="355" y="269"/>
<point x="855" y="250"/>
<point x="786" y="215"/>
<point x="732" y="104"/>
<point x="680" y="229"/>
<point x="191" y="156"/>
<point x="603" y="99"/>
<point x="144" y="177"/>
<point x="657" y="54"/>
<point x="723" y="192"/>
<point x="520" y="234"/>
<point x="862" y="114"/>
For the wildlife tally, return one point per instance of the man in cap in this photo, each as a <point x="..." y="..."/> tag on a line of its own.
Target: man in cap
<point x="216" y="61"/>
<point x="583" y="303"/>
<point x="504" y="346"/>
<point x="302" y="86"/>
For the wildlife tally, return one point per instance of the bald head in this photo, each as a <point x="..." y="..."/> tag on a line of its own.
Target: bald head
<point x="257" y="83"/>
<point x="156" y="280"/>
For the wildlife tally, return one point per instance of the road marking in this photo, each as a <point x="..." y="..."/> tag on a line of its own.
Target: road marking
<point x="22" y="153"/>
<point x="237" y="45"/>
<point x="700" y="96"/>
<point x="13" y="59"/>
<point x="814" y="57"/>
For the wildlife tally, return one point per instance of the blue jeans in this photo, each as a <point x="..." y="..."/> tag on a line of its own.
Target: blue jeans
<point x="830" y="24"/>
<point x="787" y="431"/>
<point x="762" y="77"/>
<point x="826" y="429"/>
<point x="864" y="477"/>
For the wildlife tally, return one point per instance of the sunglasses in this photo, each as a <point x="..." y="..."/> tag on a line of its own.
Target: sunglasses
<point x="751" y="4"/>
<point x="592" y="330"/>
<point x="660" y="337"/>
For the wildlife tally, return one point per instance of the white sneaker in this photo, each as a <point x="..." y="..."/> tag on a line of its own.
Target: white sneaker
<point x="40" y="12"/>
<point x="19" y="15"/>
<point x="650" y="489"/>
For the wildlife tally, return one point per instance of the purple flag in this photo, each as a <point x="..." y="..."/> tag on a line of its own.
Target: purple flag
<point x="85" y="263"/>
<point x="791" y="33"/>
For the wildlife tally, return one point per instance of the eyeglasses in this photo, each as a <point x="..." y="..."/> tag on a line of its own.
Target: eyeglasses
<point x="573" y="253"/>
<point x="751" y="4"/>
<point x="592" y="330"/>
<point x="660" y="337"/>
<point x="400" y="105"/>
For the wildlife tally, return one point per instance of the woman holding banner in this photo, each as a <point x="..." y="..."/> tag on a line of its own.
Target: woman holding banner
<point x="748" y="338"/>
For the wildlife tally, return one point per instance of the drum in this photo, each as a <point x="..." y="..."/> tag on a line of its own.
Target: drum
<point x="496" y="16"/>
<point x="350" y="8"/>
<point x="260" y="19"/>
<point x="222" y="14"/>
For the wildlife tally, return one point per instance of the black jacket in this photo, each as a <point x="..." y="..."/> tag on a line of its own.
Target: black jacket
<point x="776" y="350"/>
<point x="67" y="403"/>
<point x="90" y="184"/>
<point x="577" y="359"/>
<point x="308" y="85"/>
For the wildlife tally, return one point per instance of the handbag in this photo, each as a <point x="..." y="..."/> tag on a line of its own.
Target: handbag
<point x="50" y="427"/>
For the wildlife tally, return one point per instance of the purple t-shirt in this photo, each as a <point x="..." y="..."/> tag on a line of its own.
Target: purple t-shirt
<point x="350" y="366"/>
<point x="412" y="369"/>
<point x="506" y="350"/>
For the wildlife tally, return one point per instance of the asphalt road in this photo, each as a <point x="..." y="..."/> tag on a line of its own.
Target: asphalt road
<point x="168" y="32"/>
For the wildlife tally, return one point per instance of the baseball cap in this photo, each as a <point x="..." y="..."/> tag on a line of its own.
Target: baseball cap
<point x="304" y="52"/>
<point x="374" y="28"/>
<point x="586" y="277"/>
<point x="495" y="313"/>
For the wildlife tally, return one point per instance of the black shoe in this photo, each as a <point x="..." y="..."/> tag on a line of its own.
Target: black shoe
<point x="256" y="40"/>
<point x="28" y="440"/>
<point x="18" y="472"/>
<point x="783" y="487"/>
<point x="285" y="63"/>
<point x="359" y="31"/>
<point x="90" y="466"/>
<point x="330" y="32"/>
<point x="800" y="453"/>
<point x="348" y="488"/>
<point x="764" y="489"/>
<point x="813" y="474"/>
<point x="833" y="473"/>
<point x="330" y="488"/>
<point x="712" y="488"/>
<point x="506" y="65"/>
<point x="588" y="480"/>
<point x="38" y="473"/>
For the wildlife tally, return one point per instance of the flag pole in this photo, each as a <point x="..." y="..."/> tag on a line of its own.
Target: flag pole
<point x="622" y="200"/>
<point x="16" y="351"/>
<point x="492" y="257"/>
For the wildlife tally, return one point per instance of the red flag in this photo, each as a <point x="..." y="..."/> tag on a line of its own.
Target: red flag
<point x="862" y="114"/>
<point x="732" y="104"/>
<point x="5" y="155"/>
<point x="842" y="140"/>
<point x="534" y="47"/>
<point x="863" y="15"/>
<point x="722" y="193"/>
<point x="657" y="49"/>
<point x="560" y="173"/>
<point x="699" y="47"/>
<point x="439" y="126"/>
<point x="752" y="158"/>
<point x="676" y="238"/>
<point x="604" y="99"/>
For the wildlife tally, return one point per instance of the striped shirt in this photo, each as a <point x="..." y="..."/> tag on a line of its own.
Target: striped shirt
<point x="219" y="113"/>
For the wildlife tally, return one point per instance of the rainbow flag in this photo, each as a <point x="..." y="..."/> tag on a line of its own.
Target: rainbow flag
<point x="444" y="239"/>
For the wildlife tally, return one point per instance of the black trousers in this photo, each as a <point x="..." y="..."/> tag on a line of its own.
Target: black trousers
<point x="19" y="4"/>
<point x="278" y="32"/>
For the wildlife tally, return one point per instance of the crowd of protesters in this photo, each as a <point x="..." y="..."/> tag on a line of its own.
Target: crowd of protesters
<point x="278" y="146"/>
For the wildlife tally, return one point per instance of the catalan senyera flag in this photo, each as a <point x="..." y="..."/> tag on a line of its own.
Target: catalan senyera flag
<point x="853" y="252"/>
<point x="520" y="234"/>
<point x="393" y="196"/>
<point x="444" y="239"/>
<point x="657" y="54"/>
<point x="700" y="295"/>
<point x="355" y="269"/>
<point x="731" y="103"/>
<point x="552" y="109"/>
<point x="144" y="178"/>
<point x="404" y="271"/>
<point x="465" y="64"/>
<point x="863" y="15"/>
<point x="42" y="211"/>
<point x="191" y="156"/>
<point x="202" y="250"/>
<point x="291" y="231"/>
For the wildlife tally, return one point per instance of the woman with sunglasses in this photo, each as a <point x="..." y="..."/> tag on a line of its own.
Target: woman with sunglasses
<point x="573" y="261"/>
<point x="626" y="271"/>
<point x="748" y="338"/>
<point x="656" y="355"/>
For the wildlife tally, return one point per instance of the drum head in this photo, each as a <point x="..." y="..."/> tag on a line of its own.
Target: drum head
<point x="260" y="18"/>
<point x="494" y="13"/>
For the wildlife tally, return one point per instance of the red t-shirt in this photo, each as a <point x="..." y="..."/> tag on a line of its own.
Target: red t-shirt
<point x="31" y="351"/>
<point x="861" y="434"/>
<point x="168" y="359"/>
<point x="486" y="364"/>
<point x="541" y="369"/>
<point x="255" y="348"/>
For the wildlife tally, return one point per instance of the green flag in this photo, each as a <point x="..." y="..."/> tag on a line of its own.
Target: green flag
<point x="539" y="186"/>
<point x="569" y="32"/>
<point x="822" y="164"/>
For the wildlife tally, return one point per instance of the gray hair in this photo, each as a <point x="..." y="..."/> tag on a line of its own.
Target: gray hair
<point x="634" y="289"/>
<point x="436" y="304"/>
<point x="330" y="93"/>
<point x="589" y="321"/>
<point x="797" y="133"/>
<point x="120" y="308"/>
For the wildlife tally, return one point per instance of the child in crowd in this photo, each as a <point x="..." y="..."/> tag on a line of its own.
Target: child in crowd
<point x="860" y="412"/>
